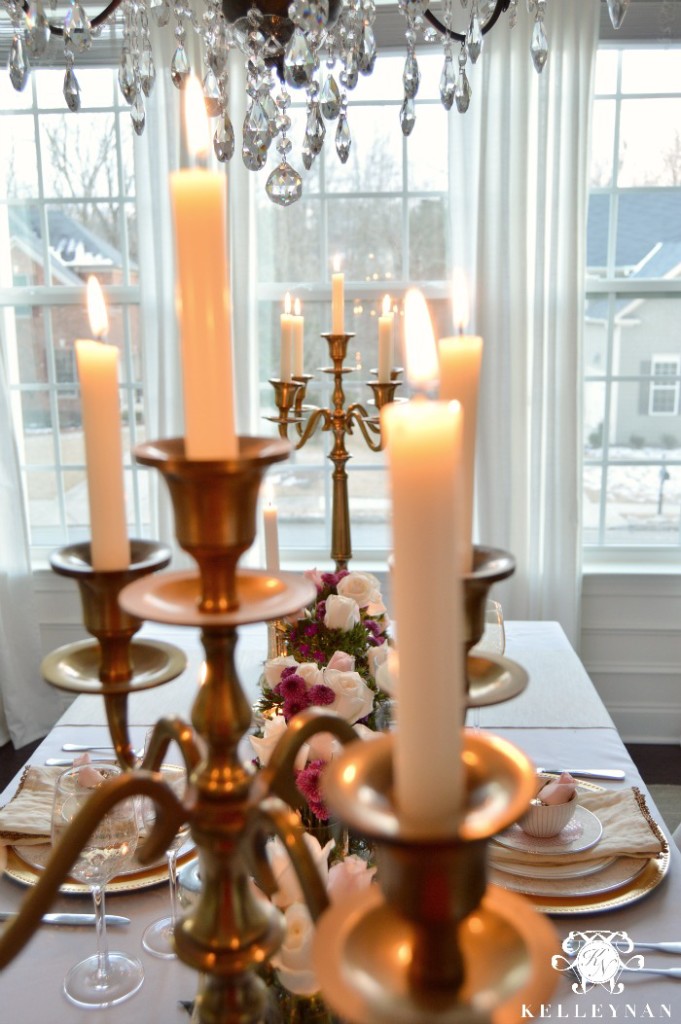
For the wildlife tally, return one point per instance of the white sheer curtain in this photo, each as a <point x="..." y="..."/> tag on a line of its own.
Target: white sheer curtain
<point x="28" y="706"/>
<point x="521" y="150"/>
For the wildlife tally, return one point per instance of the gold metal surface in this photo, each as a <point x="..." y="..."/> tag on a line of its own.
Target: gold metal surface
<point x="75" y="667"/>
<point x="493" y="679"/>
<point x="338" y="421"/>
<point x="490" y="565"/>
<point x="404" y="956"/>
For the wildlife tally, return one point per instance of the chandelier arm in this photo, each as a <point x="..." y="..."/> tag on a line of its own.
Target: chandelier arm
<point x="359" y="414"/>
<point x="167" y="731"/>
<point x="278" y="776"/>
<point x="501" y="6"/>
<point x="15" y="935"/>
<point x="274" y="818"/>
<point x="98" y="19"/>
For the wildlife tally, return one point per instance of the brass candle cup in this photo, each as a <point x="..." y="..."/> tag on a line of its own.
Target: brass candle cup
<point x="490" y="566"/>
<point x="215" y="507"/>
<point x="338" y="346"/>
<point x="432" y="942"/>
<point x="384" y="391"/>
<point x="112" y="664"/>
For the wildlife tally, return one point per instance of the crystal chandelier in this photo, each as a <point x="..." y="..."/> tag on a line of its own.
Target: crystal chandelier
<point x="318" y="46"/>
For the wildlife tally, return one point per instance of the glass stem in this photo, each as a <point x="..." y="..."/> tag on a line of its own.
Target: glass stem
<point x="102" y="940"/>
<point x="172" y="879"/>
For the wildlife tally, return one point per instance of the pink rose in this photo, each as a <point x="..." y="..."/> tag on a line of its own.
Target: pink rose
<point x="342" y="661"/>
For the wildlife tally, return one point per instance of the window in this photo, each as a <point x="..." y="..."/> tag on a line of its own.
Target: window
<point x="385" y="213"/>
<point x="664" y="397"/>
<point x="632" y="355"/>
<point x="67" y="210"/>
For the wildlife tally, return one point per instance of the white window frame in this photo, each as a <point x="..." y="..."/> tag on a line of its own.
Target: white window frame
<point x="663" y="386"/>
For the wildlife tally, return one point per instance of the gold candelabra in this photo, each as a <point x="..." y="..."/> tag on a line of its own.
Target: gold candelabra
<point x="340" y="421"/>
<point x="445" y="923"/>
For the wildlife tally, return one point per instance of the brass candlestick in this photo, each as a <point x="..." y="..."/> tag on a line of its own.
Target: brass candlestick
<point x="290" y="398"/>
<point x="434" y="944"/>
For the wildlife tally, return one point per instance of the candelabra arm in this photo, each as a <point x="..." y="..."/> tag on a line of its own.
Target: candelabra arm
<point x="272" y="817"/>
<point x="116" y="705"/>
<point x="16" y="934"/>
<point x="278" y="776"/>
<point x="359" y="415"/>
<point x="171" y="815"/>
<point x="318" y="415"/>
<point x="165" y="732"/>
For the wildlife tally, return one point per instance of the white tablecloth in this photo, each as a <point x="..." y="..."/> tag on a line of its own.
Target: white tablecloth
<point x="563" y="721"/>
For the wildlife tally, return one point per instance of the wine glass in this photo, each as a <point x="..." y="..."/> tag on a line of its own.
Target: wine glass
<point x="106" y="978"/>
<point x="158" y="937"/>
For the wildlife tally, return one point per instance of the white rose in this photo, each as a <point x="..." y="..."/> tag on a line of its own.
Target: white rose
<point x="311" y="673"/>
<point x="376" y="657"/>
<point x="273" y="730"/>
<point x="365" y="733"/>
<point x="275" y="666"/>
<point x="341" y="613"/>
<point x="354" y="699"/>
<point x="293" y="960"/>
<point x="387" y="673"/>
<point x="323" y="746"/>
<point x="362" y="586"/>
<point x="349" y="876"/>
<point x="288" y="886"/>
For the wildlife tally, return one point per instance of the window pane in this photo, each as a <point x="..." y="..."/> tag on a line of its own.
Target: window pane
<point x="648" y="232"/>
<point x="368" y="232"/>
<point x="375" y="161"/>
<point x="643" y="505"/>
<point x="606" y="71"/>
<point x="596" y="337"/>
<point x="602" y="142"/>
<point x="19" y="167"/>
<point x="85" y="238"/>
<point x="650" y="71"/>
<point x="650" y="146"/>
<point x="594" y="418"/>
<point x="427" y="151"/>
<point x="76" y="155"/>
<point x="289" y="240"/>
<point x="428" y="239"/>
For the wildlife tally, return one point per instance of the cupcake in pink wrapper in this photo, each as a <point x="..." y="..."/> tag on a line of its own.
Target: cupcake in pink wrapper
<point x="552" y="807"/>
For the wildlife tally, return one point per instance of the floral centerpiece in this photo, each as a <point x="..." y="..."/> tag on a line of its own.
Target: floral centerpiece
<point x="334" y="649"/>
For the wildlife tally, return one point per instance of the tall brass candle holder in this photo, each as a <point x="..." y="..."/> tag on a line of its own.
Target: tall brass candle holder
<point x="290" y="398"/>
<point x="433" y="943"/>
<point x="490" y="678"/>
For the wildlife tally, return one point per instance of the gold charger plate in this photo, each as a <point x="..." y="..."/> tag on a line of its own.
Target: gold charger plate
<point x="597" y="903"/>
<point x="26" y="874"/>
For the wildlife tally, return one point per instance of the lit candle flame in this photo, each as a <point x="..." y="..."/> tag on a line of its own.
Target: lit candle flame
<point x="196" y="119"/>
<point x="96" y="308"/>
<point x="298" y="307"/>
<point x="460" y="300"/>
<point x="287" y="303"/>
<point x="421" y="350"/>
<point x="268" y="493"/>
<point x="336" y="264"/>
<point x="386" y="305"/>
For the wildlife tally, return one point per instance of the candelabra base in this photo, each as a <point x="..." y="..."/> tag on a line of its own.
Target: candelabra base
<point x="75" y="667"/>
<point x="366" y="949"/>
<point x="493" y="679"/>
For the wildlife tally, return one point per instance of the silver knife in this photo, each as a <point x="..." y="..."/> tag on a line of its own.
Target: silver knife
<point x="613" y="774"/>
<point x="113" y="920"/>
<point x="67" y="762"/>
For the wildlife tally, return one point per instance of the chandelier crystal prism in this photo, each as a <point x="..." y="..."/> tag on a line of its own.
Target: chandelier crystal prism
<point x="318" y="47"/>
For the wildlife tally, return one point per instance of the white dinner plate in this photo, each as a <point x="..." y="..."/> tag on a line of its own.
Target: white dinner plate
<point x="581" y="833"/>
<point x="548" y="870"/>
<point x="619" y="873"/>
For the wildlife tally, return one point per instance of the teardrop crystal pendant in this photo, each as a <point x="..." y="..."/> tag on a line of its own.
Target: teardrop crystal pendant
<point x="474" y="36"/>
<point x="223" y="139"/>
<point x="539" y="47"/>
<point x="284" y="185"/>
<point x="367" y="51"/>
<point x="18" y="64"/>
<point x="299" y="60"/>
<point x="617" y="9"/>
<point x="463" y="92"/>
<point x="343" y="139"/>
<point x="310" y="15"/>
<point x="137" y="114"/>
<point x="179" y="67"/>
<point x="350" y="74"/>
<point x="126" y="76"/>
<point x="411" y="76"/>
<point x="77" y="27"/>
<point x="217" y="51"/>
<point x="38" y="35"/>
<point x="407" y="116"/>
<point x="256" y="141"/>
<point x="71" y="90"/>
<point x="211" y="94"/>
<point x="147" y="71"/>
<point x="315" y="130"/>
<point x="448" y="83"/>
<point x="330" y="99"/>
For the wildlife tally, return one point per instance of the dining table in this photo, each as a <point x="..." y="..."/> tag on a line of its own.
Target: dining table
<point x="559" y="721"/>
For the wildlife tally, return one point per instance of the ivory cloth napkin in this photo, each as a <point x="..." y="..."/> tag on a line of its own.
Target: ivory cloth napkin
<point x="27" y="818"/>
<point x="629" y="830"/>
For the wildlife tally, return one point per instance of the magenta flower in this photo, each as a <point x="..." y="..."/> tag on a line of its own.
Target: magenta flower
<point x="308" y="781"/>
